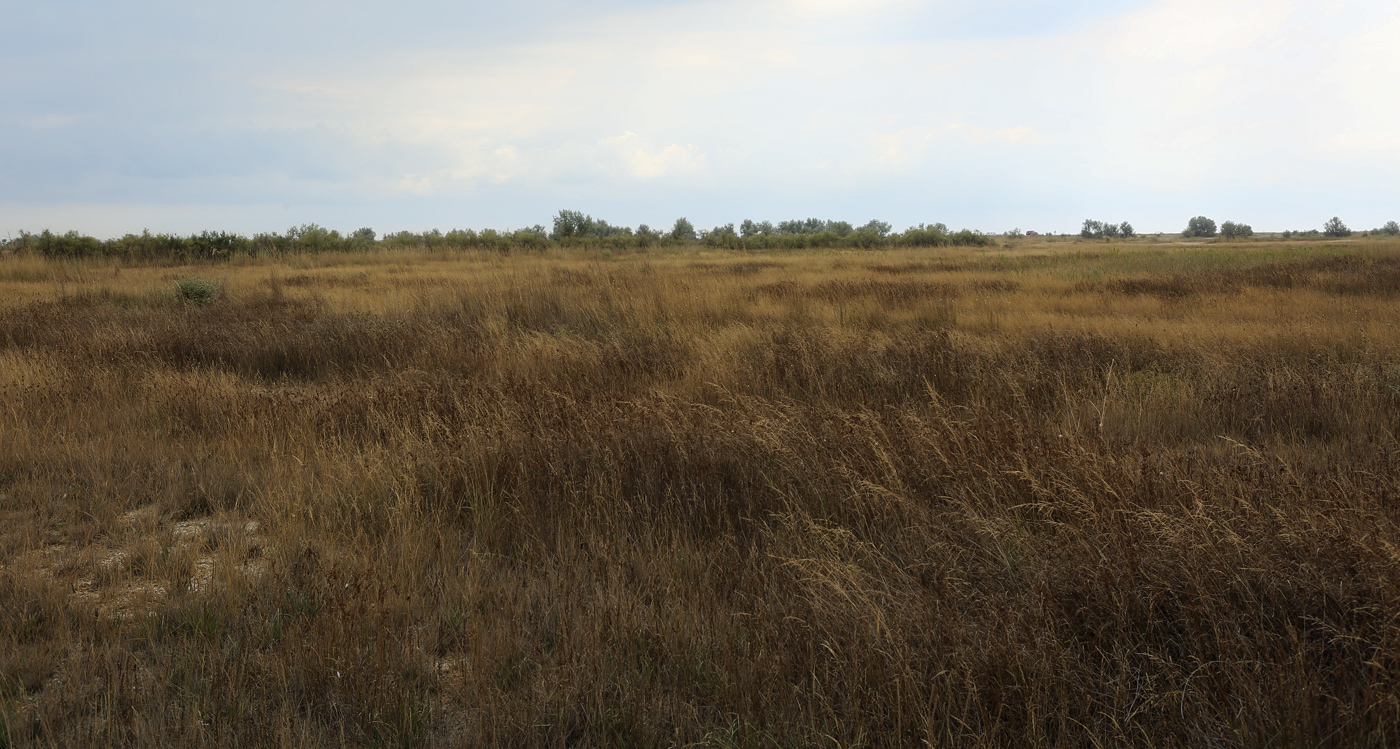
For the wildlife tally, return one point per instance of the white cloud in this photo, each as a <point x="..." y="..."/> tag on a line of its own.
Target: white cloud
<point x="825" y="8"/>
<point x="646" y="164"/>
<point x="1364" y="76"/>
<point x="770" y="107"/>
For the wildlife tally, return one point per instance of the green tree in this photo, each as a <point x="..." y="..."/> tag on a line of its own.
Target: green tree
<point x="1199" y="226"/>
<point x="683" y="229"/>
<point x="748" y="228"/>
<point x="1232" y="230"/>
<point x="571" y="224"/>
<point x="1335" y="228"/>
<point x="876" y="227"/>
<point x="1391" y="228"/>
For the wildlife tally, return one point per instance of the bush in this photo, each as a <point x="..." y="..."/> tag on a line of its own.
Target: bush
<point x="1199" y="226"/>
<point x="1335" y="228"/>
<point x="925" y="236"/>
<point x="196" y="290"/>
<point x="1391" y="228"/>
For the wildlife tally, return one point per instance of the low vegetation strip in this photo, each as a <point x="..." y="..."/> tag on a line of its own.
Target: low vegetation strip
<point x="691" y="496"/>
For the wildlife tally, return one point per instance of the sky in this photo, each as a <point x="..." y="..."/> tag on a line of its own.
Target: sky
<point x="123" y="115"/>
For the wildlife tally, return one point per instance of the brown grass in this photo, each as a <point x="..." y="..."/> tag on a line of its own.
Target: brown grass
<point x="1130" y="497"/>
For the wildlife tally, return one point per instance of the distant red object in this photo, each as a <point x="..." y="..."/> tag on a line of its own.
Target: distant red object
<point x="1032" y="233"/>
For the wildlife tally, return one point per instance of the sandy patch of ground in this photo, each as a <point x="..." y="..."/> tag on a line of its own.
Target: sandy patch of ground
<point x="133" y="570"/>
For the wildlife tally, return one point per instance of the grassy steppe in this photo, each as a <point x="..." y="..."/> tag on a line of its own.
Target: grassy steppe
<point x="1075" y="495"/>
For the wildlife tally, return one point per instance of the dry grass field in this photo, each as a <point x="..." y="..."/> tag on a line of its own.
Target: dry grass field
<point x="1072" y="495"/>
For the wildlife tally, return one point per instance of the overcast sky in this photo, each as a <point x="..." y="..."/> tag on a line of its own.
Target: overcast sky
<point x="119" y="115"/>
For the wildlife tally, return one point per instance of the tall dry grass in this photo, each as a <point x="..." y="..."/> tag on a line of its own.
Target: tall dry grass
<point x="1142" y="497"/>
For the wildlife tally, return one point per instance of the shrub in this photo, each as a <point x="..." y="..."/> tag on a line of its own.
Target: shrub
<point x="1391" y="228"/>
<point x="925" y="236"/>
<point x="196" y="290"/>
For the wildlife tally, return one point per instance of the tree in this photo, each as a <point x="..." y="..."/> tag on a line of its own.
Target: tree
<point x="571" y="224"/>
<point x="1232" y="230"/>
<point x="1335" y="228"/>
<point x="366" y="234"/>
<point x="576" y="224"/>
<point x="1392" y="228"/>
<point x="1106" y="230"/>
<point x="751" y="228"/>
<point x="879" y="228"/>
<point x="683" y="229"/>
<point x="1199" y="226"/>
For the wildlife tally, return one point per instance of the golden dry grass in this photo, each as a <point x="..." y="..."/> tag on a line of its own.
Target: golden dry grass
<point x="1043" y="496"/>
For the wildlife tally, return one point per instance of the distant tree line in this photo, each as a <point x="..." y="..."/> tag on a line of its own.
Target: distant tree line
<point x="576" y="229"/>
<point x="816" y="233"/>
<point x="1334" y="228"/>
<point x="307" y="238"/>
<point x="571" y="229"/>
